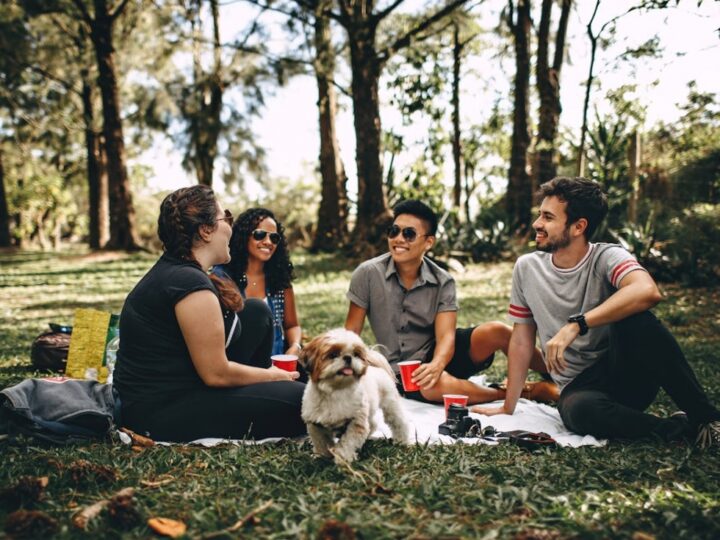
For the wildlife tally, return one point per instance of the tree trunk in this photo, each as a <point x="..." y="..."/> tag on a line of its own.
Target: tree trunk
<point x="373" y="215"/>
<point x="209" y="97"/>
<point x="122" y="211"/>
<point x="97" y="179"/>
<point x="5" y="239"/>
<point x="332" y="230"/>
<point x="360" y="20"/>
<point x="519" y="192"/>
<point x="456" y="148"/>
<point x="634" y="156"/>
<point x="548" y="84"/>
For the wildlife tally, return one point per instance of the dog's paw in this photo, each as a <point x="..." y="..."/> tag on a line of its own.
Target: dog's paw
<point x="343" y="457"/>
<point x="323" y="453"/>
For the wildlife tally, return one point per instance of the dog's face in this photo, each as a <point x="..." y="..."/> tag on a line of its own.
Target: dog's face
<point x="336" y="358"/>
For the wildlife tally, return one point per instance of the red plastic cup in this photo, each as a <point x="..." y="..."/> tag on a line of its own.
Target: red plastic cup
<point x="288" y="362"/>
<point x="406" y="371"/>
<point x="449" y="399"/>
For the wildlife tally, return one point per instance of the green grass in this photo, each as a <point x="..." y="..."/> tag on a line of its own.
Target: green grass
<point x="665" y="491"/>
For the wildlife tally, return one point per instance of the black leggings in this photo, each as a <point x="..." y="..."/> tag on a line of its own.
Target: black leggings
<point x="255" y="411"/>
<point x="608" y="398"/>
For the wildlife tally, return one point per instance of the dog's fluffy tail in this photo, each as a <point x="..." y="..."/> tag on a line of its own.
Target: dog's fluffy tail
<point x="376" y="359"/>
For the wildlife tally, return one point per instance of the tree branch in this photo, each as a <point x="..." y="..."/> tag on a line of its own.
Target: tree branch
<point x="288" y="14"/>
<point x="345" y="15"/>
<point x="406" y="40"/>
<point x="311" y="6"/>
<point x="115" y="13"/>
<point x="59" y="23"/>
<point x="83" y="12"/>
<point x="385" y="12"/>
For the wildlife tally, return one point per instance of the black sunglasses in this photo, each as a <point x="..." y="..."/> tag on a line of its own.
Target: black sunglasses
<point x="228" y="218"/>
<point x="409" y="233"/>
<point x="259" y="235"/>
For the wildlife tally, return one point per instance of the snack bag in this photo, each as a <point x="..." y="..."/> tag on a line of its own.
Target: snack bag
<point x="92" y="330"/>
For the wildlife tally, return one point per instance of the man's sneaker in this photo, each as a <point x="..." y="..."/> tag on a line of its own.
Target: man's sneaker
<point x="708" y="435"/>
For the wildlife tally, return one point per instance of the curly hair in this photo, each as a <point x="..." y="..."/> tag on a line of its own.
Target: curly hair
<point x="584" y="198"/>
<point x="278" y="270"/>
<point x="182" y="213"/>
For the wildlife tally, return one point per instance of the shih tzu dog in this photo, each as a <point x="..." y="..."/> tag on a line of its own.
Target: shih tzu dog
<point x="348" y="383"/>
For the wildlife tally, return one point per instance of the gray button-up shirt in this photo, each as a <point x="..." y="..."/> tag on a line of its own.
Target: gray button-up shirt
<point x="402" y="320"/>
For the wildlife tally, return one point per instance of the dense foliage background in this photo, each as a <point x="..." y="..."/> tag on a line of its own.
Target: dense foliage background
<point x="473" y="90"/>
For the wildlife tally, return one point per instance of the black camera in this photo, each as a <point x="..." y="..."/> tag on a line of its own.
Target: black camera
<point x="459" y="423"/>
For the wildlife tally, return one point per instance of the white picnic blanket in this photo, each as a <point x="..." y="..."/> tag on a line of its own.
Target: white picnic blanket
<point x="424" y="419"/>
<point x="529" y="416"/>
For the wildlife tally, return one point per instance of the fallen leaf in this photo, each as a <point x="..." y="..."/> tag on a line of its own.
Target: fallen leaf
<point x="138" y="440"/>
<point x="30" y="524"/>
<point x="250" y="518"/>
<point x="161" y="481"/>
<point x="379" y="489"/>
<point x="167" y="527"/>
<point x="83" y="517"/>
<point x="122" y="510"/>
<point x="333" y="529"/>
<point x="82" y="471"/>
<point x="638" y="535"/>
<point x="27" y="490"/>
<point x="537" y="534"/>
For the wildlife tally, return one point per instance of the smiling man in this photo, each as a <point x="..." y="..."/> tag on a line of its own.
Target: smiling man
<point x="411" y="304"/>
<point x="590" y="304"/>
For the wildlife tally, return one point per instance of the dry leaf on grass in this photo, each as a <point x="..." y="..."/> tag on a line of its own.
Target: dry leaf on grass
<point x="161" y="480"/>
<point x="123" y="512"/>
<point x="333" y="529"/>
<point x="167" y="527"/>
<point x="30" y="524"/>
<point x="27" y="490"/>
<point x="537" y="534"/>
<point x="251" y="518"/>
<point x="83" y="517"/>
<point x="138" y="440"/>
<point x="82" y="471"/>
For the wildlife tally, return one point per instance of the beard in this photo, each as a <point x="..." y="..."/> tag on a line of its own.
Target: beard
<point x="551" y="245"/>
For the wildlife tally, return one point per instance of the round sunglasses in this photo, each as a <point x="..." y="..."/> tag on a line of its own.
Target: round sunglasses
<point x="259" y="235"/>
<point x="408" y="233"/>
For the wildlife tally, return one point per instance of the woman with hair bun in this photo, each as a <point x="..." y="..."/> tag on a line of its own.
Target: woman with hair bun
<point x="179" y="327"/>
<point x="260" y="266"/>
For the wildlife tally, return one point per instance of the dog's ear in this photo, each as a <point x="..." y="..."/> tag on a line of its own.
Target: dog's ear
<point x="306" y="358"/>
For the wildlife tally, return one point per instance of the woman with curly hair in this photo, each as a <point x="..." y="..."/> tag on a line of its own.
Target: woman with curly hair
<point x="260" y="266"/>
<point x="194" y="361"/>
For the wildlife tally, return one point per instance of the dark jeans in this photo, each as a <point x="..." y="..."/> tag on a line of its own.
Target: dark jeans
<point x="255" y="343"/>
<point x="608" y="399"/>
<point x="254" y="411"/>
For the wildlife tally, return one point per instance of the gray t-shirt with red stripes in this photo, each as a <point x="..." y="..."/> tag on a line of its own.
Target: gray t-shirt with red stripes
<point x="545" y="295"/>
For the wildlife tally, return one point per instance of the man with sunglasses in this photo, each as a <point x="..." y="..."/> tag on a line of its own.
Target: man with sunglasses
<point x="411" y="304"/>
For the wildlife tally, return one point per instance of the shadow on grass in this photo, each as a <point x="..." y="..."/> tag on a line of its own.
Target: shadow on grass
<point x="78" y="304"/>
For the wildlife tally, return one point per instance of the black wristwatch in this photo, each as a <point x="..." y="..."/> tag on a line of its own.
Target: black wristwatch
<point x="580" y="320"/>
